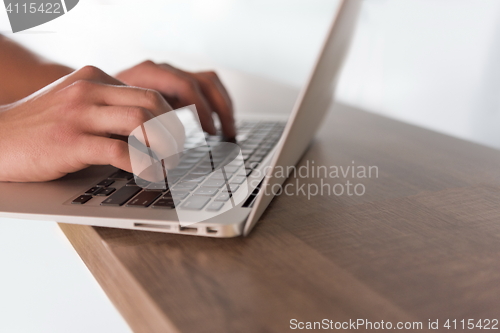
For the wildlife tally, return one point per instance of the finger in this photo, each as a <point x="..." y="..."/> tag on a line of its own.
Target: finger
<point x="89" y="73"/>
<point x="153" y="142"/>
<point x="112" y="95"/>
<point x="213" y="92"/>
<point x="179" y="88"/>
<point x="165" y="135"/>
<point x="219" y="99"/>
<point x="98" y="150"/>
<point x="190" y="93"/>
<point x="115" y="120"/>
<point x="95" y="74"/>
<point x="186" y="90"/>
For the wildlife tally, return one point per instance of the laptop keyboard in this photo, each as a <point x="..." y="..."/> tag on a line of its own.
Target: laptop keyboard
<point x="204" y="189"/>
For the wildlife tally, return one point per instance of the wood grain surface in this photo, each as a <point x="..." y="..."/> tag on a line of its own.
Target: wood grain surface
<point x="422" y="243"/>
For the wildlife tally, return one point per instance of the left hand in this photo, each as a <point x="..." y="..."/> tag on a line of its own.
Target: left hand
<point x="181" y="88"/>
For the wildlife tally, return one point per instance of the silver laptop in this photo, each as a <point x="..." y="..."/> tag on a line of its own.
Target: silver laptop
<point x="217" y="189"/>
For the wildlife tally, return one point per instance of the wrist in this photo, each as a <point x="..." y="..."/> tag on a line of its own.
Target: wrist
<point x="46" y="73"/>
<point x="24" y="84"/>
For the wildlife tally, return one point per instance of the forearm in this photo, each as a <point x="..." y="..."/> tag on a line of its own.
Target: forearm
<point x="22" y="72"/>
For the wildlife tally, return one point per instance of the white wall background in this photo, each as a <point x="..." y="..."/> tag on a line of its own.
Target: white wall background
<point x="45" y="287"/>
<point x="435" y="63"/>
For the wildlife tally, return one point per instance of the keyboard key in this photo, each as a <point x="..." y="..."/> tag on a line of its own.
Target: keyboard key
<point x="162" y="186"/>
<point x="256" y="158"/>
<point x="237" y="162"/>
<point x="249" y="145"/>
<point x="251" y="165"/>
<point x="194" y="180"/>
<point x="204" y="167"/>
<point x="106" y="191"/>
<point x="144" y="199"/>
<point x="262" y="151"/>
<point x="261" y="156"/>
<point x="218" y="161"/>
<point x="255" y="140"/>
<point x="177" y="172"/>
<point x="238" y="180"/>
<point x="195" y="203"/>
<point x="138" y="182"/>
<point x="171" y="180"/>
<point x="194" y="154"/>
<point x="230" y="168"/>
<point x="164" y="203"/>
<point x="268" y="145"/>
<point x="105" y="182"/>
<point x="217" y="183"/>
<point x="208" y="191"/>
<point x="191" y="159"/>
<point x="215" y="206"/>
<point x="168" y="196"/>
<point x="223" y="197"/>
<point x="81" y="199"/>
<point x="275" y="137"/>
<point x="121" y="174"/>
<point x="247" y="151"/>
<point x="93" y="190"/>
<point x="179" y="195"/>
<point x="262" y="130"/>
<point x="232" y="187"/>
<point x="121" y="196"/>
<point x="199" y="172"/>
<point x="188" y="186"/>
<point x="219" y="176"/>
<point x="184" y="167"/>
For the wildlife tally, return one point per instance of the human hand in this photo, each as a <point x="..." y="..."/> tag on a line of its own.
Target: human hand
<point x="67" y="125"/>
<point x="181" y="88"/>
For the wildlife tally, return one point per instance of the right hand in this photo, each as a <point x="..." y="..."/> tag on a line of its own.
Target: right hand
<point x="67" y="126"/>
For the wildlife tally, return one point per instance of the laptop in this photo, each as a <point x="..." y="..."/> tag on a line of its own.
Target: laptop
<point x="217" y="188"/>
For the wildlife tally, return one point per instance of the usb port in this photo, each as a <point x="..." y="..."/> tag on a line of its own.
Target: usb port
<point x="212" y="230"/>
<point x="188" y="229"/>
<point x="152" y="226"/>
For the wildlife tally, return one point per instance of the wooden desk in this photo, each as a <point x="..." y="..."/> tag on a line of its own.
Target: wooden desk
<point x="422" y="243"/>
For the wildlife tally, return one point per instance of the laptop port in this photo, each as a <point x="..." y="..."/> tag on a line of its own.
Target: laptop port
<point x="152" y="226"/>
<point x="188" y="230"/>
<point x="212" y="230"/>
